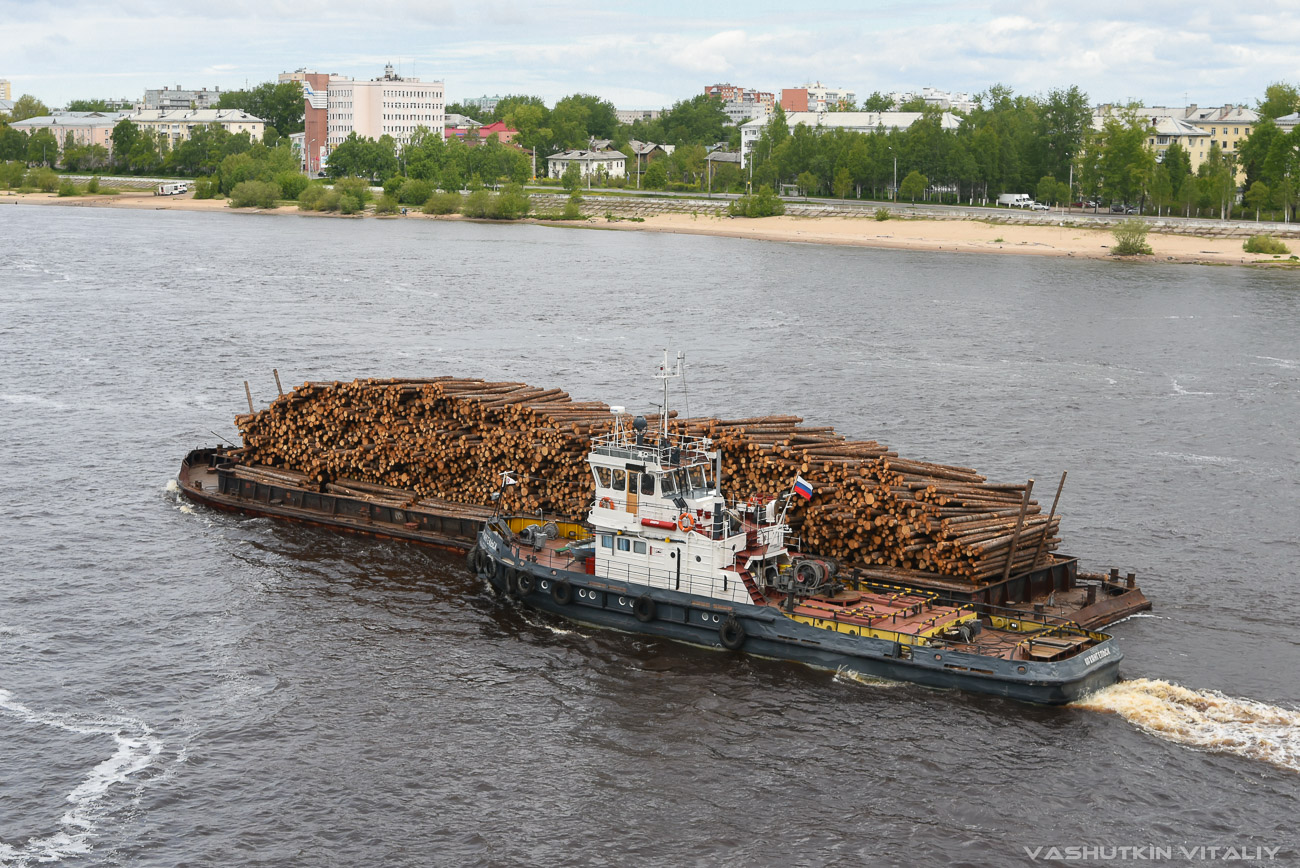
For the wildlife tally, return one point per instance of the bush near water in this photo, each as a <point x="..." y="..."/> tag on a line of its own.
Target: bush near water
<point x="1265" y="244"/>
<point x="1131" y="238"/>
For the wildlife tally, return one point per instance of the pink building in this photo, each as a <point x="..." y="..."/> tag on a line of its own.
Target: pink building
<point x="86" y="128"/>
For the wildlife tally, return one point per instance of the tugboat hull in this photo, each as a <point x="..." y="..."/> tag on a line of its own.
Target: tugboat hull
<point x="766" y="632"/>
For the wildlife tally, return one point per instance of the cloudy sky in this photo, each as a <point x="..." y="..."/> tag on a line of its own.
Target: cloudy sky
<point x="650" y="53"/>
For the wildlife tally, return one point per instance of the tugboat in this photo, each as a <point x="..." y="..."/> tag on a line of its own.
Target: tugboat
<point x="663" y="553"/>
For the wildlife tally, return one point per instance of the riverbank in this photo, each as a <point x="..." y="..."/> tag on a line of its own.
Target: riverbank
<point x="961" y="236"/>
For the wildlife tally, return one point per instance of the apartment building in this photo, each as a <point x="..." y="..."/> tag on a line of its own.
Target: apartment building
<point x="387" y="106"/>
<point x="816" y="98"/>
<point x="6" y="89"/>
<point x="180" y="98"/>
<point x="85" y="128"/>
<point x="1228" y="126"/>
<point x="177" y="125"/>
<point x="742" y="104"/>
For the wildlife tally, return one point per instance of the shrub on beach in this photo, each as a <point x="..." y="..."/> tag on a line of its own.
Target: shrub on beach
<point x="67" y="188"/>
<point x="1131" y="238"/>
<point x="764" y="203"/>
<point x="354" y="187"/>
<point x="292" y="183"/>
<point x="414" y="192"/>
<point x="254" y="194"/>
<point x="1265" y="244"/>
<point x="387" y="204"/>
<point x="442" y="203"/>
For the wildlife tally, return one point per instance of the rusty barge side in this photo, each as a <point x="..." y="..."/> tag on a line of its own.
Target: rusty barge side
<point x="214" y="478"/>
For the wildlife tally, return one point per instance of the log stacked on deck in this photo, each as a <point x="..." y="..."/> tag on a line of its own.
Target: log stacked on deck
<point x="449" y="439"/>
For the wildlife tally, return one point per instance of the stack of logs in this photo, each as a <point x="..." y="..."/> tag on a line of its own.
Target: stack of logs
<point x="452" y="439"/>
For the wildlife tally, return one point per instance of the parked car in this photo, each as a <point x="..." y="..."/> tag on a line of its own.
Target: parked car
<point x="1039" y="206"/>
<point x="1121" y="208"/>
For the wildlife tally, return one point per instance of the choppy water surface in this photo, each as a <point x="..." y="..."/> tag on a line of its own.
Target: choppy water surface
<point x="179" y="687"/>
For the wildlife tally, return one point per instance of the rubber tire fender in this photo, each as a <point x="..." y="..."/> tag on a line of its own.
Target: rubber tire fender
<point x="471" y="559"/>
<point x="562" y="592"/>
<point x="644" y="608"/>
<point x="525" y="583"/>
<point x="731" y="634"/>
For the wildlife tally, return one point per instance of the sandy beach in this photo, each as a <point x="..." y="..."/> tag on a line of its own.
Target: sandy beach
<point x="960" y="236"/>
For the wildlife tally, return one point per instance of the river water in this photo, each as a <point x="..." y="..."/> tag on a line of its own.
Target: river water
<point x="180" y="687"/>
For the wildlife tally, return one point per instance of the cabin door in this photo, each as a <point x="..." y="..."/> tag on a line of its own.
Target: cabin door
<point x="632" y="477"/>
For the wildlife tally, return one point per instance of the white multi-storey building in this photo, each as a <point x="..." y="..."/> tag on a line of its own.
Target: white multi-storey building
<point x="388" y="106"/>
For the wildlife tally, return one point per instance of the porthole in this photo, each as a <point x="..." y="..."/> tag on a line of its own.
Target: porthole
<point x="938" y="657"/>
<point x="697" y="559"/>
<point x="715" y="619"/>
<point x="552" y="572"/>
<point x="545" y="585"/>
<point x="1020" y="669"/>
<point x="622" y="601"/>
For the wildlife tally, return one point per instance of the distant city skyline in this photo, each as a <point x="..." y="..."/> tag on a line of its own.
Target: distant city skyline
<point x="648" y="56"/>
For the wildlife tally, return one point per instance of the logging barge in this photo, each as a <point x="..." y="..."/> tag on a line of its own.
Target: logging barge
<point x="663" y="553"/>
<point x="220" y="478"/>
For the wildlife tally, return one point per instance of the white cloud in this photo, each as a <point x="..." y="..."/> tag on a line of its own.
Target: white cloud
<point x="649" y="55"/>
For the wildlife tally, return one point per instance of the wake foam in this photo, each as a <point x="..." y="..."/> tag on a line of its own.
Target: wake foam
<point x="1204" y="719"/>
<point x="137" y="749"/>
<point x="845" y="675"/>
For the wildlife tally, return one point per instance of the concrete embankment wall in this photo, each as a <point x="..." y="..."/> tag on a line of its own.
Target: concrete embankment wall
<point x="596" y="205"/>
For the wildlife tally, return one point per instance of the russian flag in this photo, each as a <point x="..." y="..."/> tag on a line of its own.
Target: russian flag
<point x="803" y="488"/>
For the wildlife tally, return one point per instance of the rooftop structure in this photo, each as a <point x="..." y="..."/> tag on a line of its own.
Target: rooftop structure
<point x="942" y="99"/>
<point x="629" y="116"/>
<point x="815" y="97"/>
<point x="1228" y="125"/>
<point x="86" y="128"/>
<point x="485" y="104"/>
<point x="178" y="125"/>
<point x="6" y="89"/>
<point x="180" y="98"/>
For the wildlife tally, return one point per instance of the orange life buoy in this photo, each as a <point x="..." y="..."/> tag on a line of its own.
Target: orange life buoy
<point x="686" y="522"/>
<point x="607" y="503"/>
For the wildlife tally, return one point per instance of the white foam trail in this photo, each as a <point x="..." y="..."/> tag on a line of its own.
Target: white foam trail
<point x="558" y="631"/>
<point x="845" y="674"/>
<point x="137" y="749"/>
<point x="10" y="398"/>
<point x="1204" y="719"/>
<point x="172" y="486"/>
<point x="1181" y="391"/>
<point x="1198" y="459"/>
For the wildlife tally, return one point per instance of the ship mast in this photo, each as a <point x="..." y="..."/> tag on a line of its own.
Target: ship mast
<point x="665" y="374"/>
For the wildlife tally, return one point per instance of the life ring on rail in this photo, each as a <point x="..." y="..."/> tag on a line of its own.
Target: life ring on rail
<point x="686" y="522"/>
<point x="731" y="634"/>
<point x="644" y="608"/>
<point x="607" y="503"/>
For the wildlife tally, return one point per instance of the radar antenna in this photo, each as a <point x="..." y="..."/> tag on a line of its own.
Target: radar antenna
<point x="666" y="374"/>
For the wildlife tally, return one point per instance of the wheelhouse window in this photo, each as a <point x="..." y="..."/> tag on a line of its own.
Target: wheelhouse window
<point x="647" y="483"/>
<point x="631" y="483"/>
<point x="620" y="480"/>
<point x="669" y="484"/>
<point x="604" y="478"/>
<point x="607" y="540"/>
<point x="624" y="544"/>
<point x="638" y="547"/>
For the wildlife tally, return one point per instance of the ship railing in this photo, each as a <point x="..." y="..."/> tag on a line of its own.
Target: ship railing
<point x="712" y="585"/>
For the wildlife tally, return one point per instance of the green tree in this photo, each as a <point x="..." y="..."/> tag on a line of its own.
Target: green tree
<point x="1178" y="162"/>
<point x="27" y="106"/>
<point x="1258" y="197"/>
<point x="808" y="183"/>
<point x="913" y="185"/>
<point x="42" y="148"/>
<point x="578" y="118"/>
<point x="90" y="105"/>
<point x="1162" y="188"/>
<point x="281" y="104"/>
<point x="1218" y="180"/>
<point x="699" y="120"/>
<point x="877" y="102"/>
<point x="13" y="143"/>
<point x="1279" y="99"/>
<point x="571" y="180"/>
<point x="656" y="175"/>
<point x="843" y="183"/>
<point x="125" y="135"/>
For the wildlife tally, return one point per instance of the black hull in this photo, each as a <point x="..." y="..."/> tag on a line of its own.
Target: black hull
<point x="700" y="621"/>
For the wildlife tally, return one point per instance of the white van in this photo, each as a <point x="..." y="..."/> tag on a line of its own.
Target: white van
<point x="173" y="189"/>
<point x="1015" y="200"/>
